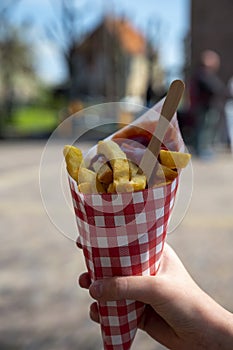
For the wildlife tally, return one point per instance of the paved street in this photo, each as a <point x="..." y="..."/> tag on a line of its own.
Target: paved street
<point x="41" y="306"/>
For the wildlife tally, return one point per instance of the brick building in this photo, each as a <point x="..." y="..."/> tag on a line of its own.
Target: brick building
<point x="212" y="28"/>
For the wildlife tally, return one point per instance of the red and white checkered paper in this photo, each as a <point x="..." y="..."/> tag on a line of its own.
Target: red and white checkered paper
<point x="124" y="234"/>
<point x="127" y="240"/>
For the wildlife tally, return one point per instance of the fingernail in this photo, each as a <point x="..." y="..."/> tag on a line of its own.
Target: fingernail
<point x="97" y="289"/>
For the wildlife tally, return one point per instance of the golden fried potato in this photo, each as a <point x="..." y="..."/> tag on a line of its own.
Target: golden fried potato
<point x="120" y="187"/>
<point x="114" y="173"/>
<point x="103" y="170"/>
<point x="111" y="188"/>
<point x="89" y="176"/>
<point x="117" y="159"/>
<point x="85" y="187"/>
<point x="123" y="186"/>
<point x="133" y="169"/>
<point x="86" y="175"/>
<point x="173" y="159"/>
<point x="166" y="173"/>
<point x="139" y="182"/>
<point x="74" y="158"/>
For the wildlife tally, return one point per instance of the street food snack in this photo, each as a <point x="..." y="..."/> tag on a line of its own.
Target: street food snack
<point x="113" y="172"/>
<point x="122" y="216"/>
<point x="74" y="159"/>
<point x="173" y="159"/>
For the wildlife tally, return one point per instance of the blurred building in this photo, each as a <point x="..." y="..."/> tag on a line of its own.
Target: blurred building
<point x="112" y="62"/>
<point x="211" y="28"/>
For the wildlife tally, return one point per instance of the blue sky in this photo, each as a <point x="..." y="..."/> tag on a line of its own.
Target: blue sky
<point x="167" y="21"/>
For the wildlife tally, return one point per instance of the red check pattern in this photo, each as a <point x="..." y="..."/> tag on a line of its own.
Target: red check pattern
<point x="122" y="235"/>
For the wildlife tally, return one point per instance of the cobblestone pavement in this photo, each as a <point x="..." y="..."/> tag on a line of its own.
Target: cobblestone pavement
<point x="41" y="306"/>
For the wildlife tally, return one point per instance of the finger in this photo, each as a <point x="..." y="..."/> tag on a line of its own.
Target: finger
<point x="94" y="313"/>
<point x="141" y="288"/>
<point x="84" y="280"/>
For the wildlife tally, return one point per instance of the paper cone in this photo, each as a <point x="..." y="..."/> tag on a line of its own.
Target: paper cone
<point x="122" y="235"/>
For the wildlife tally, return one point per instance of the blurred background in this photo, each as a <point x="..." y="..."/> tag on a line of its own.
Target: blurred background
<point x="60" y="57"/>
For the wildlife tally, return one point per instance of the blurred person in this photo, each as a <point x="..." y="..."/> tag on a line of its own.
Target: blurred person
<point x="150" y="95"/>
<point x="207" y="93"/>
<point x="153" y="95"/>
<point x="178" y="314"/>
<point x="229" y="113"/>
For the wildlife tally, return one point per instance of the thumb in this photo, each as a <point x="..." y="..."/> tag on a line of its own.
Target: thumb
<point x="141" y="288"/>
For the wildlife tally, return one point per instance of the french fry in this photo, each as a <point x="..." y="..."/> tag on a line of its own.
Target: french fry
<point x="86" y="188"/>
<point x="133" y="169"/>
<point x="117" y="159"/>
<point x="74" y="158"/>
<point x="86" y="175"/>
<point x="166" y="173"/>
<point x="174" y="160"/>
<point x="139" y="182"/>
<point x="103" y="170"/>
<point x="111" y="188"/>
<point x="120" y="187"/>
<point x="89" y="176"/>
<point x="123" y="186"/>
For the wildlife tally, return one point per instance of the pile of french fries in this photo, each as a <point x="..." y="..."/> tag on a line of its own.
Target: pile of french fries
<point x="110" y="171"/>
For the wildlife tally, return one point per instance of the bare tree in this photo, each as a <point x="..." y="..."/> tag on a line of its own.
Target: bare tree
<point x="15" y="58"/>
<point x="65" y="31"/>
